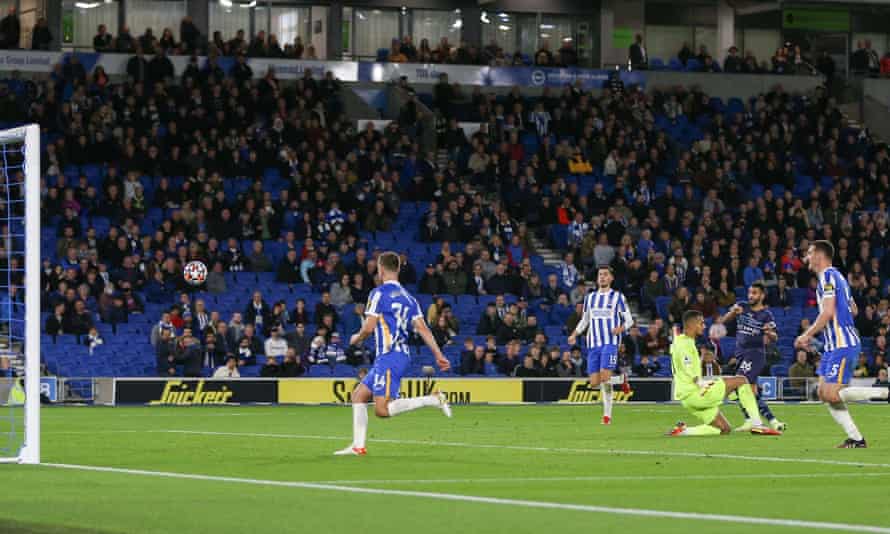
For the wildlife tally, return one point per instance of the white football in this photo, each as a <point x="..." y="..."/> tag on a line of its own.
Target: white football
<point x="195" y="273"/>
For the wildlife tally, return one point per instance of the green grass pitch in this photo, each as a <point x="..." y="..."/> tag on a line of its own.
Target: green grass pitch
<point x="550" y="454"/>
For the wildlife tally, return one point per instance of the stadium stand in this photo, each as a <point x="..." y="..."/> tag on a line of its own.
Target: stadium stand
<point x="270" y="186"/>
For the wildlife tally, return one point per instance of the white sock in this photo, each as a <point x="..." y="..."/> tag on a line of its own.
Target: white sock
<point x="407" y="404"/>
<point x="861" y="394"/>
<point x="606" y="394"/>
<point x="359" y="424"/>
<point x="842" y="416"/>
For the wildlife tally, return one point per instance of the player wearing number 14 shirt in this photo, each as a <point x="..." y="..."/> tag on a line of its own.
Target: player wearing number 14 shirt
<point x="390" y="315"/>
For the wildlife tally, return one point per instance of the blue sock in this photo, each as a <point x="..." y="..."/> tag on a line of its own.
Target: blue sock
<point x="764" y="409"/>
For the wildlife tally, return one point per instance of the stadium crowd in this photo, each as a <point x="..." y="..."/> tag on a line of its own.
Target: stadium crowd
<point x="660" y="186"/>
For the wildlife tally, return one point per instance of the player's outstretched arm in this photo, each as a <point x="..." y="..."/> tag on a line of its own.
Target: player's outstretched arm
<point x="730" y="314"/>
<point x="581" y="326"/>
<point x="827" y="314"/>
<point x="423" y="331"/>
<point x="366" y="330"/>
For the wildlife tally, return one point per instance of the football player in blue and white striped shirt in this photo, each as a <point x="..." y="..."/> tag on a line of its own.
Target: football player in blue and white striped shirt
<point x="837" y="310"/>
<point x="391" y="315"/>
<point x="606" y="316"/>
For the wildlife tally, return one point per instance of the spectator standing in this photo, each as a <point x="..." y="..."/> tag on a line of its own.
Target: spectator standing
<point x="188" y="352"/>
<point x="160" y="68"/>
<point x="242" y="72"/>
<point x="137" y="67"/>
<point x="10" y="30"/>
<point x="639" y="59"/>
<point x="103" y="41"/>
<point x="257" y="311"/>
<point x="732" y="63"/>
<point x="165" y="354"/>
<point x="41" y="37"/>
<point x="189" y="36"/>
<point x="125" y="44"/>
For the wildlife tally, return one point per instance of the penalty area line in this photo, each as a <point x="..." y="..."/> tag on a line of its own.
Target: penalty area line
<point x="607" y="478"/>
<point x="527" y="448"/>
<point x="518" y="503"/>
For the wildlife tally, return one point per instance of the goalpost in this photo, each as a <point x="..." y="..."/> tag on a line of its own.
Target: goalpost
<point x="20" y="291"/>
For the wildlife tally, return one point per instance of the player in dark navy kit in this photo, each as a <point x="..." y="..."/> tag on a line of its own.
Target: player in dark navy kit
<point x="755" y="329"/>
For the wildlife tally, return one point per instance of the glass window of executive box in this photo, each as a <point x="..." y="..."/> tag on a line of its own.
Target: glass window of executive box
<point x="157" y="15"/>
<point x="81" y="22"/>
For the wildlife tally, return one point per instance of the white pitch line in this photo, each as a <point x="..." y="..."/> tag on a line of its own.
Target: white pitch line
<point x="607" y="478"/>
<point x="609" y="452"/>
<point x="639" y="512"/>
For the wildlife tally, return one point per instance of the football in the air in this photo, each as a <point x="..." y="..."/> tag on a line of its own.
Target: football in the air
<point x="195" y="273"/>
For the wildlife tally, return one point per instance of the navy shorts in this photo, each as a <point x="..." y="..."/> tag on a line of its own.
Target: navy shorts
<point x="750" y="364"/>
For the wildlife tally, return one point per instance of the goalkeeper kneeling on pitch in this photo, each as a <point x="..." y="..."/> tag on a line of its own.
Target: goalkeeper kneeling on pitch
<point x="704" y="397"/>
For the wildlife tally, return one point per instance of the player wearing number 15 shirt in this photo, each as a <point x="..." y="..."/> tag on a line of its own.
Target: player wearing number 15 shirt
<point x="606" y="316"/>
<point x="391" y="315"/>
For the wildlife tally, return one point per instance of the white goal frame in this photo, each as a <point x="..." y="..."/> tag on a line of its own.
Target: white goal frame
<point x="30" y="136"/>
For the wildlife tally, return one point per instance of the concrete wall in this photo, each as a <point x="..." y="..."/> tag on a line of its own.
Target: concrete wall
<point x="720" y="85"/>
<point x="877" y="117"/>
<point x="357" y="107"/>
<point x="733" y="85"/>
<point x="876" y="106"/>
<point x="877" y="89"/>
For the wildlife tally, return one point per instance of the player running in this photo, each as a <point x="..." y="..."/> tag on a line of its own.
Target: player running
<point x="704" y="397"/>
<point x="389" y="313"/>
<point x="607" y="316"/>
<point x="842" y="345"/>
<point x="755" y="329"/>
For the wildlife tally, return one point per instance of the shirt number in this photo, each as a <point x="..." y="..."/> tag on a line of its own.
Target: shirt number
<point x="379" y="381"/>
<point x="401" y="314"/>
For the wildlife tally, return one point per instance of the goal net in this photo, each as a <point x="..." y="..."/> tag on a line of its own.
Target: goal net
<point x="20" y="292"/>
